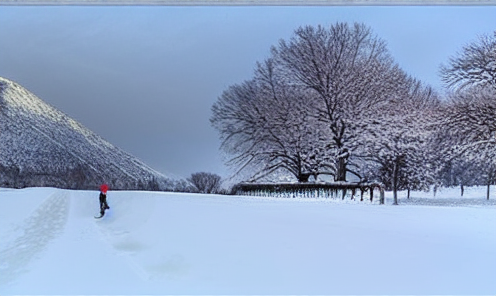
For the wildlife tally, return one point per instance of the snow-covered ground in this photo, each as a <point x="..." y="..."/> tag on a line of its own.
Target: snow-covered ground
<point x="171" y="243"/>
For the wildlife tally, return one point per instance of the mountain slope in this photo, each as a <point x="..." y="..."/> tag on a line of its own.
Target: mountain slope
<point x="41" y="146"/>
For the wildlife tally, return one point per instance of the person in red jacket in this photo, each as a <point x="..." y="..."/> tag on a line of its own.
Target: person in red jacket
<point x="103" y="199"/>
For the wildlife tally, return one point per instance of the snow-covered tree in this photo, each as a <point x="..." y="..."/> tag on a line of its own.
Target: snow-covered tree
<point x="308" y="106"/>
<point x="468" y="130"/>
<point x="468" y="126"/>
<point x="350" y="71"/>
<point x="396" y="140"/>
<point x="474" y="66"/>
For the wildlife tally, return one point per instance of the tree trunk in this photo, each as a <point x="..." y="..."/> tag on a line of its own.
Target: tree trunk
<point x="382" y="195"/>
<point x="303" y="178"/>
<point x="395" y="183"/>
<point x="461" y="189"/>
<point x="341" y="171"/>
<point x="408" y="194"/>
<point x="488" y="186"/>
<point x="395" y="196"/>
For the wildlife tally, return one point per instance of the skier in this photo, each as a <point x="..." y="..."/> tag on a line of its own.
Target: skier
<point x="103" y="199"/>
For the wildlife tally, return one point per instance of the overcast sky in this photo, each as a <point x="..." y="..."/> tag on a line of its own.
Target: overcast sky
<point x="145" y="77"/>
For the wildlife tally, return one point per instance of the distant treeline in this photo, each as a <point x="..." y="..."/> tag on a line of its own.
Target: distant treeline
<point x="81" y="178"/>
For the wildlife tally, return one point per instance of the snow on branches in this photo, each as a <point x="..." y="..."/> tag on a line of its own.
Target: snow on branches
<point x="468" y="134"/>
<point x="474" y="66"/>
<point x="396" y="148"/>
<point x="268" y="125"/>
<point x="468" y="129"/>
<point x="350" y="71"/>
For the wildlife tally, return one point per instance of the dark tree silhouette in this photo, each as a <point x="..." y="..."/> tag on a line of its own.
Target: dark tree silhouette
<point x="206" y="182"/>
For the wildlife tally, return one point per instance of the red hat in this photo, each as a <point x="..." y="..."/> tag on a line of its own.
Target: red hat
<point x="104" y="188"/>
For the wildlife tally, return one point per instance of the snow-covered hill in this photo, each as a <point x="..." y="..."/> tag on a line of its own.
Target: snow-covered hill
<point x="177" y="243"/>
<point x="41" y="146"/>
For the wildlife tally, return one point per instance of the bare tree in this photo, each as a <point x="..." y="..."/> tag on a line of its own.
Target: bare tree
<point x="206" y="182"/>
<point x="351" y="72"/>
<point x="475" y="65"/>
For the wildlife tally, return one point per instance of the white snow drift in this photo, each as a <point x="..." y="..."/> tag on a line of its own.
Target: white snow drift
<point x="170" y="243"/>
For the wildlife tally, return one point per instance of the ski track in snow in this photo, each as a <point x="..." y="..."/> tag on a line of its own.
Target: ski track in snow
<point x="127" y="249"/>
<point x="35" y="233"/>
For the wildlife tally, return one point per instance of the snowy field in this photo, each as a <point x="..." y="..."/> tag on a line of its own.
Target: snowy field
<point x="171" y="243"/>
